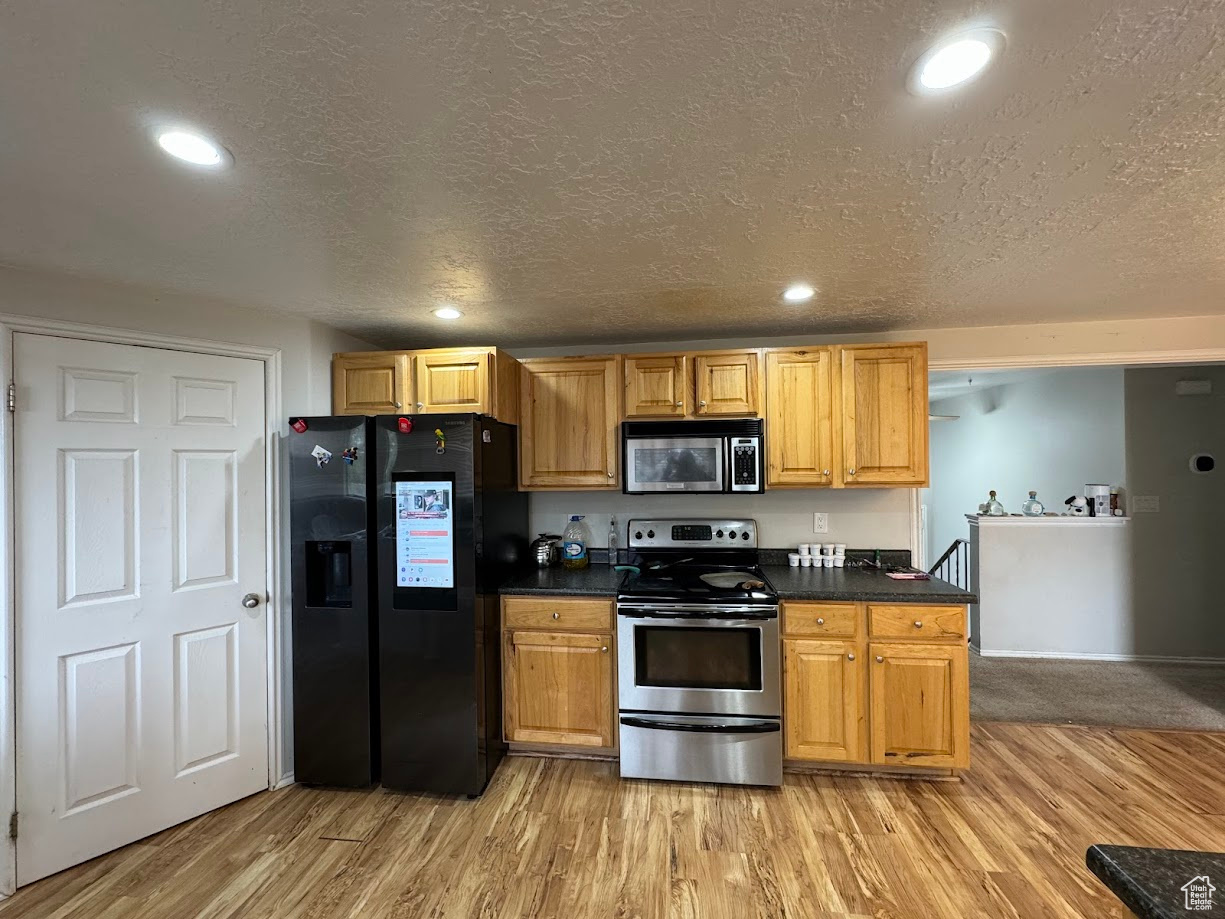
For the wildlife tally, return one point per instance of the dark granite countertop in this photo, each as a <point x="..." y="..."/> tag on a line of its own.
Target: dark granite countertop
<point x="1150" y="881"/>
<point x="846" y="584"/>
<point x="592" y="581"/>
<point x="860" y="585"/>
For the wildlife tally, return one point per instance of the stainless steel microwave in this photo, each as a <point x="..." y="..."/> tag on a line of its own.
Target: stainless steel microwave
<point x="692" y="456"/>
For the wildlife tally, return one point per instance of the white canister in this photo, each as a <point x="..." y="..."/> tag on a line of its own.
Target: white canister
<point x="805" y="561"/>
<point x="840" y="548"/>
<point x="827" y="549"/>
<point x="793" y="559"/>
<point x="805" y="548"/>
<point x="827" y="561"/>
<point x="839" y="561"/>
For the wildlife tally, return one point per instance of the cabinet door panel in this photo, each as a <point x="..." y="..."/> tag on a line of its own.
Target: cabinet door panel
<point x="374" y="384"/>
<point x="920" y="704"/>
<point x="799" y="417"/>
<point x="453" y="381"/>
<point x="558" y="688"/>
<point x="655" y="386"/>
<point x="824" y="710"/>
<point x="728" y="383"/>
<point x="569" y="423"/>
<point x="884" y="414"/>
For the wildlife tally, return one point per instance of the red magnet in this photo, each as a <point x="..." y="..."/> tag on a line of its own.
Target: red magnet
<point x="298" y="424"/>
<point x="405" y="425"/>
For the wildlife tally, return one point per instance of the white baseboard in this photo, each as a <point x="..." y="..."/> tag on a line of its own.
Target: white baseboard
<point x="286" y="780"/>
<point x="1089" y="656"/>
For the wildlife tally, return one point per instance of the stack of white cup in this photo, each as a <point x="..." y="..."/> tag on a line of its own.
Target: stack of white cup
<point x="818" y="555"/>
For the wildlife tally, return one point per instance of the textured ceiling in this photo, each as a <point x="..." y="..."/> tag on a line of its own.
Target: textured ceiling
<point x="590" y="170"/>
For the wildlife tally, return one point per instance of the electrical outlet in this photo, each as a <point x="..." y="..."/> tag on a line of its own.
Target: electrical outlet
<point x="820" y="523"/>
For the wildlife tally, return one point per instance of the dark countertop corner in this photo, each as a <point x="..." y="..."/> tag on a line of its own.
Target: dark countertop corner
<point x="592" y="581"/>
<point x="1151" y="882"/>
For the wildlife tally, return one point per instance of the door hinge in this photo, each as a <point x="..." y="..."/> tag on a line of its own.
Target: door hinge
<point x="12" y="397"/>
<point x="13" y="825"/>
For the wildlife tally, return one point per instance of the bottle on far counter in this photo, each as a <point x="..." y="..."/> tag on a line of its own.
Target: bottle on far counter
<point x="993" y="506"/>
<point x="575" y="540"/>
<point x="1032" y="506"/>
<point x="612" y="541"/>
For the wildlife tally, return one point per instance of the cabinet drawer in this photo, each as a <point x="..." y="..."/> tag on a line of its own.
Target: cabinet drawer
<point x="821" y="620"/>
<point x="917" y="623"/>
<point x="557" y="613"/>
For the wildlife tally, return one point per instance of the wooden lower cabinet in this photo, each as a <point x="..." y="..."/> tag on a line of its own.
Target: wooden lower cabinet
<point x="825" y="704"/>
<point x="920" y="704"/>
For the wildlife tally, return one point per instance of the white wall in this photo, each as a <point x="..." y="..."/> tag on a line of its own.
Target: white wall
<point x="306" y="349"/>
<point x="1178" y="551"/>
<point x="1053" y="432"/>
<point x="876" y="518"/>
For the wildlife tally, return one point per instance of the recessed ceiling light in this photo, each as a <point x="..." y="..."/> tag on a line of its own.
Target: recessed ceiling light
<point x="447" y="312"/>
<point x="798" y="293"/>
<point x="192" y="147"/>
<point x="955" y="60"/>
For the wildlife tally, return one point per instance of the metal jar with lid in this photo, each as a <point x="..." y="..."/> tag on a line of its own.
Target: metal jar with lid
<point x="546" y="550"/>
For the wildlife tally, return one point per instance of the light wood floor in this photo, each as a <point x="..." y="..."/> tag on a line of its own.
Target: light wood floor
<point x="566" y="839"/>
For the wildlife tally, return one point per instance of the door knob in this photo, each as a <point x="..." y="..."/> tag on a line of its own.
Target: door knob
<point x="250" y="601"/>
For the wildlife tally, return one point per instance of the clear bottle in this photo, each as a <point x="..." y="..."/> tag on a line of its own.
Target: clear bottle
<point x="994" y="508"/>
<point x="575" y="540"/>
<point x="1032" y="506"/>
<point x="613" y="539"/>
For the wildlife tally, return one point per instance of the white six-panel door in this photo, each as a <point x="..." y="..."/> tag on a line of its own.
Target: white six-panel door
<point x="141" y="689"/>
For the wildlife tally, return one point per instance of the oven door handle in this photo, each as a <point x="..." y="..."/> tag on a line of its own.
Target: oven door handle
<point x="726" y="619"/>
<point x="714" y="727"/>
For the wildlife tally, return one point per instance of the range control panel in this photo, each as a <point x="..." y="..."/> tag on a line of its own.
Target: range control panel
<point x="693" y="533"/>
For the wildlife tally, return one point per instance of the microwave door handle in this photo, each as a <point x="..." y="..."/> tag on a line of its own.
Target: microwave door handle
<point x="714" y="727"/>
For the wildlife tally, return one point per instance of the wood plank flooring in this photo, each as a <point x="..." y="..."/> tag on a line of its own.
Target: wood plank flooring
<point x="567" y="839"/>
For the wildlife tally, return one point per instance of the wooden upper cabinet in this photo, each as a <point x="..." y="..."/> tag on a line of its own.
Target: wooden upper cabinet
<point x="727" y="382"/>
<point x="825" y="700"/>
<point x="884" y="414"/>
<point x="569" y="418"/>
<point x="656" y="386"/>
<point x="558" y="688"/>
<point x="799" y="417"/>
<point x="920" y="704"/>
<point x="483" y="380"/>
<point x="454" y="381"/>
<point x="374" y="383"/>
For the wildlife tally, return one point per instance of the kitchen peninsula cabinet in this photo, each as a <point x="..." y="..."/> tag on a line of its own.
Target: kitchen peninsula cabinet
<point x="569" y="425"/>
<point x="697" y="384"/>
<point x="557" y="667"/>
<point x="438" y="380"/>
<point x="847" y="416"/>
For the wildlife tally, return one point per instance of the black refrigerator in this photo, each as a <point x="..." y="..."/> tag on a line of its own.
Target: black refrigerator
<point x="402" y="685"/>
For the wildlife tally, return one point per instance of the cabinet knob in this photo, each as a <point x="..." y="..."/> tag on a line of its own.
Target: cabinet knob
<point x="879" y="659"/>
<point x="397" y="405"/>
<point x="702" y="404"/>
<point x="610" y="475"/>
<point x="850" y="657"/>
<point x="820" y="620"/>
<point x="825" y="472"/>
<point x="557" y="615"/>
<point x="680" y="404"/>
<point x="604" y="649"/>
<point x="420" y="405"/>
<point x="918" y="623"/>
<point x="850" y="472"/>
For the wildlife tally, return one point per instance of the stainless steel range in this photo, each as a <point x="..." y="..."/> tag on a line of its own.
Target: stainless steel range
<point x="698" y="656"/>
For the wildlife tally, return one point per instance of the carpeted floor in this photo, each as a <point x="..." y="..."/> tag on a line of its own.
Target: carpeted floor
<point x="1122" y="694"/>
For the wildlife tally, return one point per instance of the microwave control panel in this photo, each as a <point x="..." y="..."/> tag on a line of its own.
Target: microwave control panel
<point x="746" y="463"/>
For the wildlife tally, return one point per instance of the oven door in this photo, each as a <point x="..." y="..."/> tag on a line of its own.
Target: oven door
<point x="675" y="464"/>
<point x="673" y="660"/>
